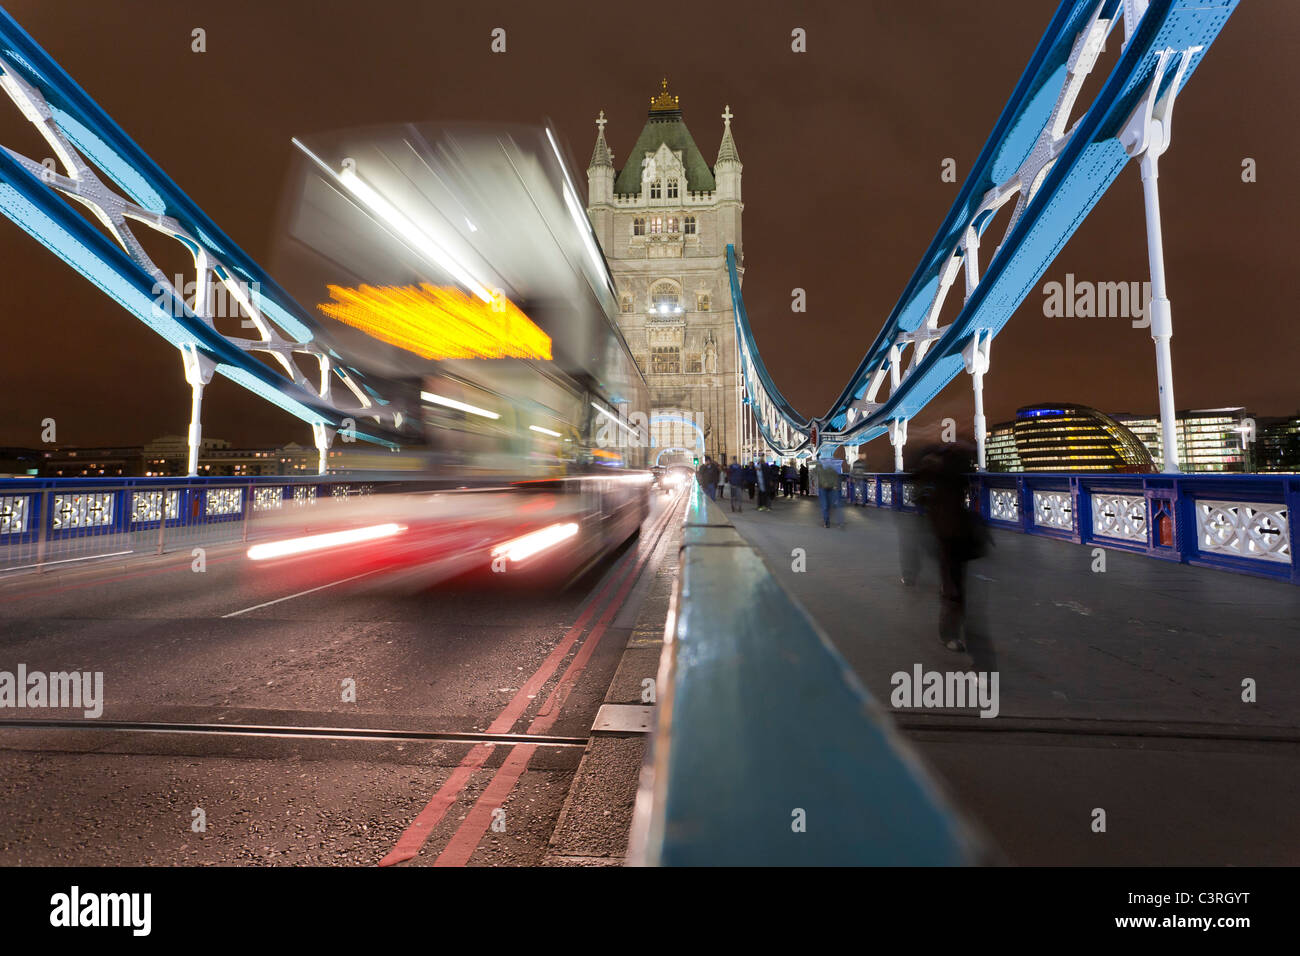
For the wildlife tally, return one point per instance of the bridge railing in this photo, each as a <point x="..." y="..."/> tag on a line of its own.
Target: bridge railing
<point x="1236" y="523"/>
<point x="56" y="522"/>
<point x="767" y="749"/>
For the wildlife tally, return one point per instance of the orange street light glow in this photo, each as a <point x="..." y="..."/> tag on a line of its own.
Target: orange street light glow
<point x="439" y="323"/>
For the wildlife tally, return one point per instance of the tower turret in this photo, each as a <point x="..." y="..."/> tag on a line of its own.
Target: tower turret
<point x="600" y="184"/>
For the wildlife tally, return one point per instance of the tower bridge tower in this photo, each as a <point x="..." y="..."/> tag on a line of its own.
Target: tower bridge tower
<point x="664" y="222"/>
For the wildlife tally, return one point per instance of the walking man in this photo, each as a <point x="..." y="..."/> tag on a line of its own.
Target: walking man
<point x="736" y="483"/>
<point x="828" y="491"/>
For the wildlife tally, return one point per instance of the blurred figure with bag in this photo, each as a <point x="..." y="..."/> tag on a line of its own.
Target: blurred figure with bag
<point x="959" y="533"/>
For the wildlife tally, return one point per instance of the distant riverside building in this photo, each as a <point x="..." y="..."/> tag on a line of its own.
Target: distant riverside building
<point x="110" y="462"/>
<point x="21" y="462"/>
<point x="165" y="457"/>
<point x="168" y="456"/>
<point x="1209" y="439"/>
<point x="1063" y="437"/>
<point x="1000" y="448"/>
<point x="1277" y="444"/>
<point x="664" y="222"/>
<point x="1059" y="437"/>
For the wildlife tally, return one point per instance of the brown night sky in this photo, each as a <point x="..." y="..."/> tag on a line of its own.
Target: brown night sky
<point x="842" y="149"/>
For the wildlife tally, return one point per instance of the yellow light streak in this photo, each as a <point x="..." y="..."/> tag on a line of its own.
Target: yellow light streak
<point x="438" y="323"/>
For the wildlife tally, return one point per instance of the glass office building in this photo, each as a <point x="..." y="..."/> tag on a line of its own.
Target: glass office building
<point x="1000" y="448"/>
<point x="1277" y="444"/>
<point x="1209" y="439"/>
<point x="1064" y="437"/>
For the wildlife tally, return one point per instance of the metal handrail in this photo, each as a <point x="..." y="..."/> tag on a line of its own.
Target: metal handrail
<point x="1232" y="522"/>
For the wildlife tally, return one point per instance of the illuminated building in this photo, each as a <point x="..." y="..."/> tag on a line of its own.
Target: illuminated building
<point x="664" y="222"/>
<point x="1209" y="439"/>
<point x="1277" y="444"/>
<point x="1000" y="449"/>
<point x="1064" y="437"/>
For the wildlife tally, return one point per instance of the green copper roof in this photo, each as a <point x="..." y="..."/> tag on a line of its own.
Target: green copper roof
<point x="665" y="126"/>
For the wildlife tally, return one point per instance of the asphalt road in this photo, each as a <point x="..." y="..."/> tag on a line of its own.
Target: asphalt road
<point x="238" y="645"/>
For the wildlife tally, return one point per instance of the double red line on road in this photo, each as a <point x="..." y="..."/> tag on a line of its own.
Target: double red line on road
<point x="471" y="830"/>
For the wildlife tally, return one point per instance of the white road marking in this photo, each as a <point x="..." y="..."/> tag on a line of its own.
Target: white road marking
<point x="290" y="597"/>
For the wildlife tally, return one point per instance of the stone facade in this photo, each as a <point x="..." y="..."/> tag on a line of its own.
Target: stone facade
<point x="664" y="223"/>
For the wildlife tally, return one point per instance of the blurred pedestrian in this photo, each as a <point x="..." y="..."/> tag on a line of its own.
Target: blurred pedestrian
<point x="959" y="533"/>
<point x="828" y="490"/>
<point x="736" y="483"/>
<point x="803" y="479"/>
<point x="708" y="477"/>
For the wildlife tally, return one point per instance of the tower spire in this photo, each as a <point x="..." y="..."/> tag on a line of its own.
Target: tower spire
<point x="601" y="156"/>
<point x="727" y="151"/>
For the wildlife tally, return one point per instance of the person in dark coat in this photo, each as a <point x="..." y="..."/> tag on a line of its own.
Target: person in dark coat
<point x="764" y="482"/>
<point x="707" y="475"/>
<point x="736" y="484"/>
<point x="959" y="534"/>
<point x="751" y="480"/>
<point x="803" y="479"/>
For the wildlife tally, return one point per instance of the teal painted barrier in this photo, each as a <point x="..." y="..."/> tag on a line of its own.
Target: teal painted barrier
<point x="767" y="749"/>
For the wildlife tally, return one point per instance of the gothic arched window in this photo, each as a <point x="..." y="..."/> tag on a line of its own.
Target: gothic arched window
<point x="656" y="189"/>
<point x="638" y="227"/>
<point x="665" y="299"/>
<point x="672" y="189"/>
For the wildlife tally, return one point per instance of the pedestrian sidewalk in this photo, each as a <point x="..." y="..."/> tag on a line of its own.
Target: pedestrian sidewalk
<point x="1146" y="640"/>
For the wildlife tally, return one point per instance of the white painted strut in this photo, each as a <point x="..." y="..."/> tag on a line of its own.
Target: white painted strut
<point x="198" y="372"/>
<point x="324" y="436"/>
<point x="976" y="357"/>
<point x="898" y="438"/>
<point x="1147" y="134"/>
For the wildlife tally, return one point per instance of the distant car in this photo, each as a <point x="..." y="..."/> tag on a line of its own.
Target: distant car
<point x="668" y="480"/>
<point x="658" y="483"/>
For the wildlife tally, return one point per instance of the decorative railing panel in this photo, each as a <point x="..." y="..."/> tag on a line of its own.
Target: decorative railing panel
<point x="1236" y="523"/>
<point x="1244" y="529"/>
<point x="1119" y="516"/>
